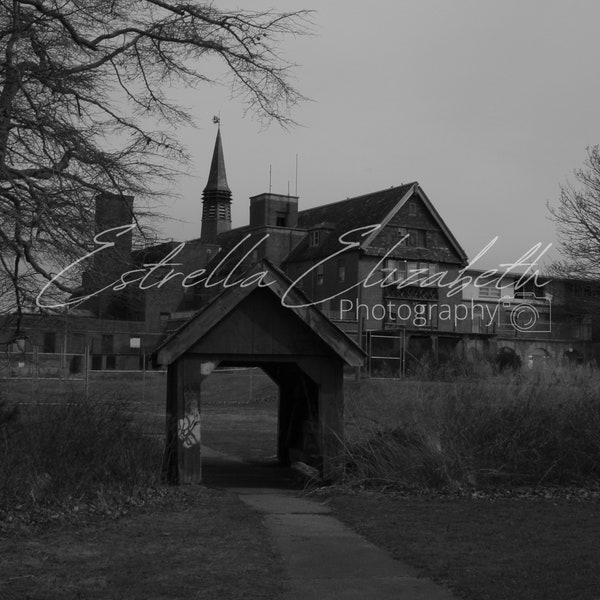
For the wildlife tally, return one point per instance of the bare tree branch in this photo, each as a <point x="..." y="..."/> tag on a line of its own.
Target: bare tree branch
<point x="79" y="82"/>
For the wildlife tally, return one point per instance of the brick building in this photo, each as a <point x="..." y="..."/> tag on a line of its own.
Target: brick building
<point x="379" y="265"/>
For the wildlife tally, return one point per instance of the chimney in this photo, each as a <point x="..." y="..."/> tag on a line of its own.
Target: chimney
<point x="274" y="210"/>
<point x="112" y="210"/>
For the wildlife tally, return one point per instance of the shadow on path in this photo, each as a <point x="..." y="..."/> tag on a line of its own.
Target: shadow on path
<point x="228" y="472"/>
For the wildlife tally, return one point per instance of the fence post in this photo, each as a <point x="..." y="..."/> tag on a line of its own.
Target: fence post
<point x="86" y="373"/>
<point x="35" y="374"/>
<point x="403" y="357"/>
<point x="143" y="378"/>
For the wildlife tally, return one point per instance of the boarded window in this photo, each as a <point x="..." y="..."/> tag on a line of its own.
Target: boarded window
<point x="320" y="275"/>
<point x="341" y="271"/>
<point x="75" y="363"/>
<point x="49" y="344"/>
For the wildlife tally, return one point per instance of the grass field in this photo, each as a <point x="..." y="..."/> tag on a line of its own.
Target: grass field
<point x="541" y="545"/>
<point x="70" y="532"/>
<point x="538" y="544"/>
<point x="192" y="542"/>
<point x="486" y="548"/>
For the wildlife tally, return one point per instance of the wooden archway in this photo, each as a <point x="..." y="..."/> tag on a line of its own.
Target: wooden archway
<point x="299" y="348"/>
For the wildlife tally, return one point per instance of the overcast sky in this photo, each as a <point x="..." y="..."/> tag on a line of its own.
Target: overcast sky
<point x="489" y="105"/>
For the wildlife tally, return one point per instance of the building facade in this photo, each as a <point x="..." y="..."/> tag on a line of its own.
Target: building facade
<point x="383" y="266"/>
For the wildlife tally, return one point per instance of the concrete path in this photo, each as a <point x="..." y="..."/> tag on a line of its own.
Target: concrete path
<point x="325" y="559"/>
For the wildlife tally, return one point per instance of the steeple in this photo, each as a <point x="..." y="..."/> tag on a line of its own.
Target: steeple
<point x="216" y="197"/>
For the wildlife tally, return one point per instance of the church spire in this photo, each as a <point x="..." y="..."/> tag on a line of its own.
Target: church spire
<point x="216" y="197"/>
<point x="217" y="178"/>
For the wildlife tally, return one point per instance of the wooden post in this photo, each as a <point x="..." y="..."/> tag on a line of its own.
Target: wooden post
<point x="329" y="376"/>
<point x="182" y="462"/>
<point x="169" y="466"/>
<point x="331" y="414"/>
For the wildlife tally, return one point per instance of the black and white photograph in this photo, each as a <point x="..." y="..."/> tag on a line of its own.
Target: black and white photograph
<point x="299" y="302"/>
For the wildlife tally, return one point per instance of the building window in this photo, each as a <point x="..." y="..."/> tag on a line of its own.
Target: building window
<point x="314" y="238"/>
<point x="412" y="271"/>
<point x="432" y="270"/>
<point x="320" y="275"/>
<point x="412" y="208"/>
<point x="280" y="219"/>
<point x="394" y="271"/>
<point x="17" y="345"/>
<point x="49" y="344"/>
<point x="341" y="271"/>
<point x="420" y="272"/>
<point x="75" y="363"/>
<point x="430" y="239"/>
<point x="489" y="291"/>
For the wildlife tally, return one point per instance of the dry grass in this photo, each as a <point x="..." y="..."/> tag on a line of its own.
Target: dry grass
<point x="529" y="428"/>
<point x="74" y="452"/>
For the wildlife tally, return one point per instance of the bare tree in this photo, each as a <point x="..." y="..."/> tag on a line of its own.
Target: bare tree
<point x="577" y="219"/>
<point x="83" y="84"/>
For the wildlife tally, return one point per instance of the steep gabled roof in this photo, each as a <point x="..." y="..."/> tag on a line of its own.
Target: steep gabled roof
<point x="434" y="214"/>
<point x="346" y="215"/>
<point x="375" y="208"/>
<point x="222" y="305"/>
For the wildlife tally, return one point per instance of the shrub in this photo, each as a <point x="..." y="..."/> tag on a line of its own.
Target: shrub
<point x="529" y="428"/>
<point x="73" y="452"/>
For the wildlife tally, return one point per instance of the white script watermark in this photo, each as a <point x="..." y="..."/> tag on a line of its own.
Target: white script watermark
<point x="167" y="270"/>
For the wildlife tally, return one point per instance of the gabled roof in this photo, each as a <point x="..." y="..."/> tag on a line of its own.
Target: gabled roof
<point x="361" y="211"/>
<point x="222" y="305"/>
<point x="346" y="215"/>
<point x="432" y="211"/>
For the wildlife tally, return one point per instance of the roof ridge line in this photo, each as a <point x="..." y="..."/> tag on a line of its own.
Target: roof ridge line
<point x="393" y="187"/>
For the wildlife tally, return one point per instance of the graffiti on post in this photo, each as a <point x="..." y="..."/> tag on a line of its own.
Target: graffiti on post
<point x="188" y="428"/>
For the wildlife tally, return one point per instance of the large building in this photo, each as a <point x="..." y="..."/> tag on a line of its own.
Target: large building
<point x="383" y="266"/>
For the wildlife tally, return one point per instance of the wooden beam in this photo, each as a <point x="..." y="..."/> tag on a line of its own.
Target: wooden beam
<point x="329" y="375"/>
<point x="199" y="325"/>
<point x="182" y="463"/>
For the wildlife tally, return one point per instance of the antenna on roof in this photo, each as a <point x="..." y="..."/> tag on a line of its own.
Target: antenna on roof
<point x="270" y="176"/>
<point x="296" y="192"/>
